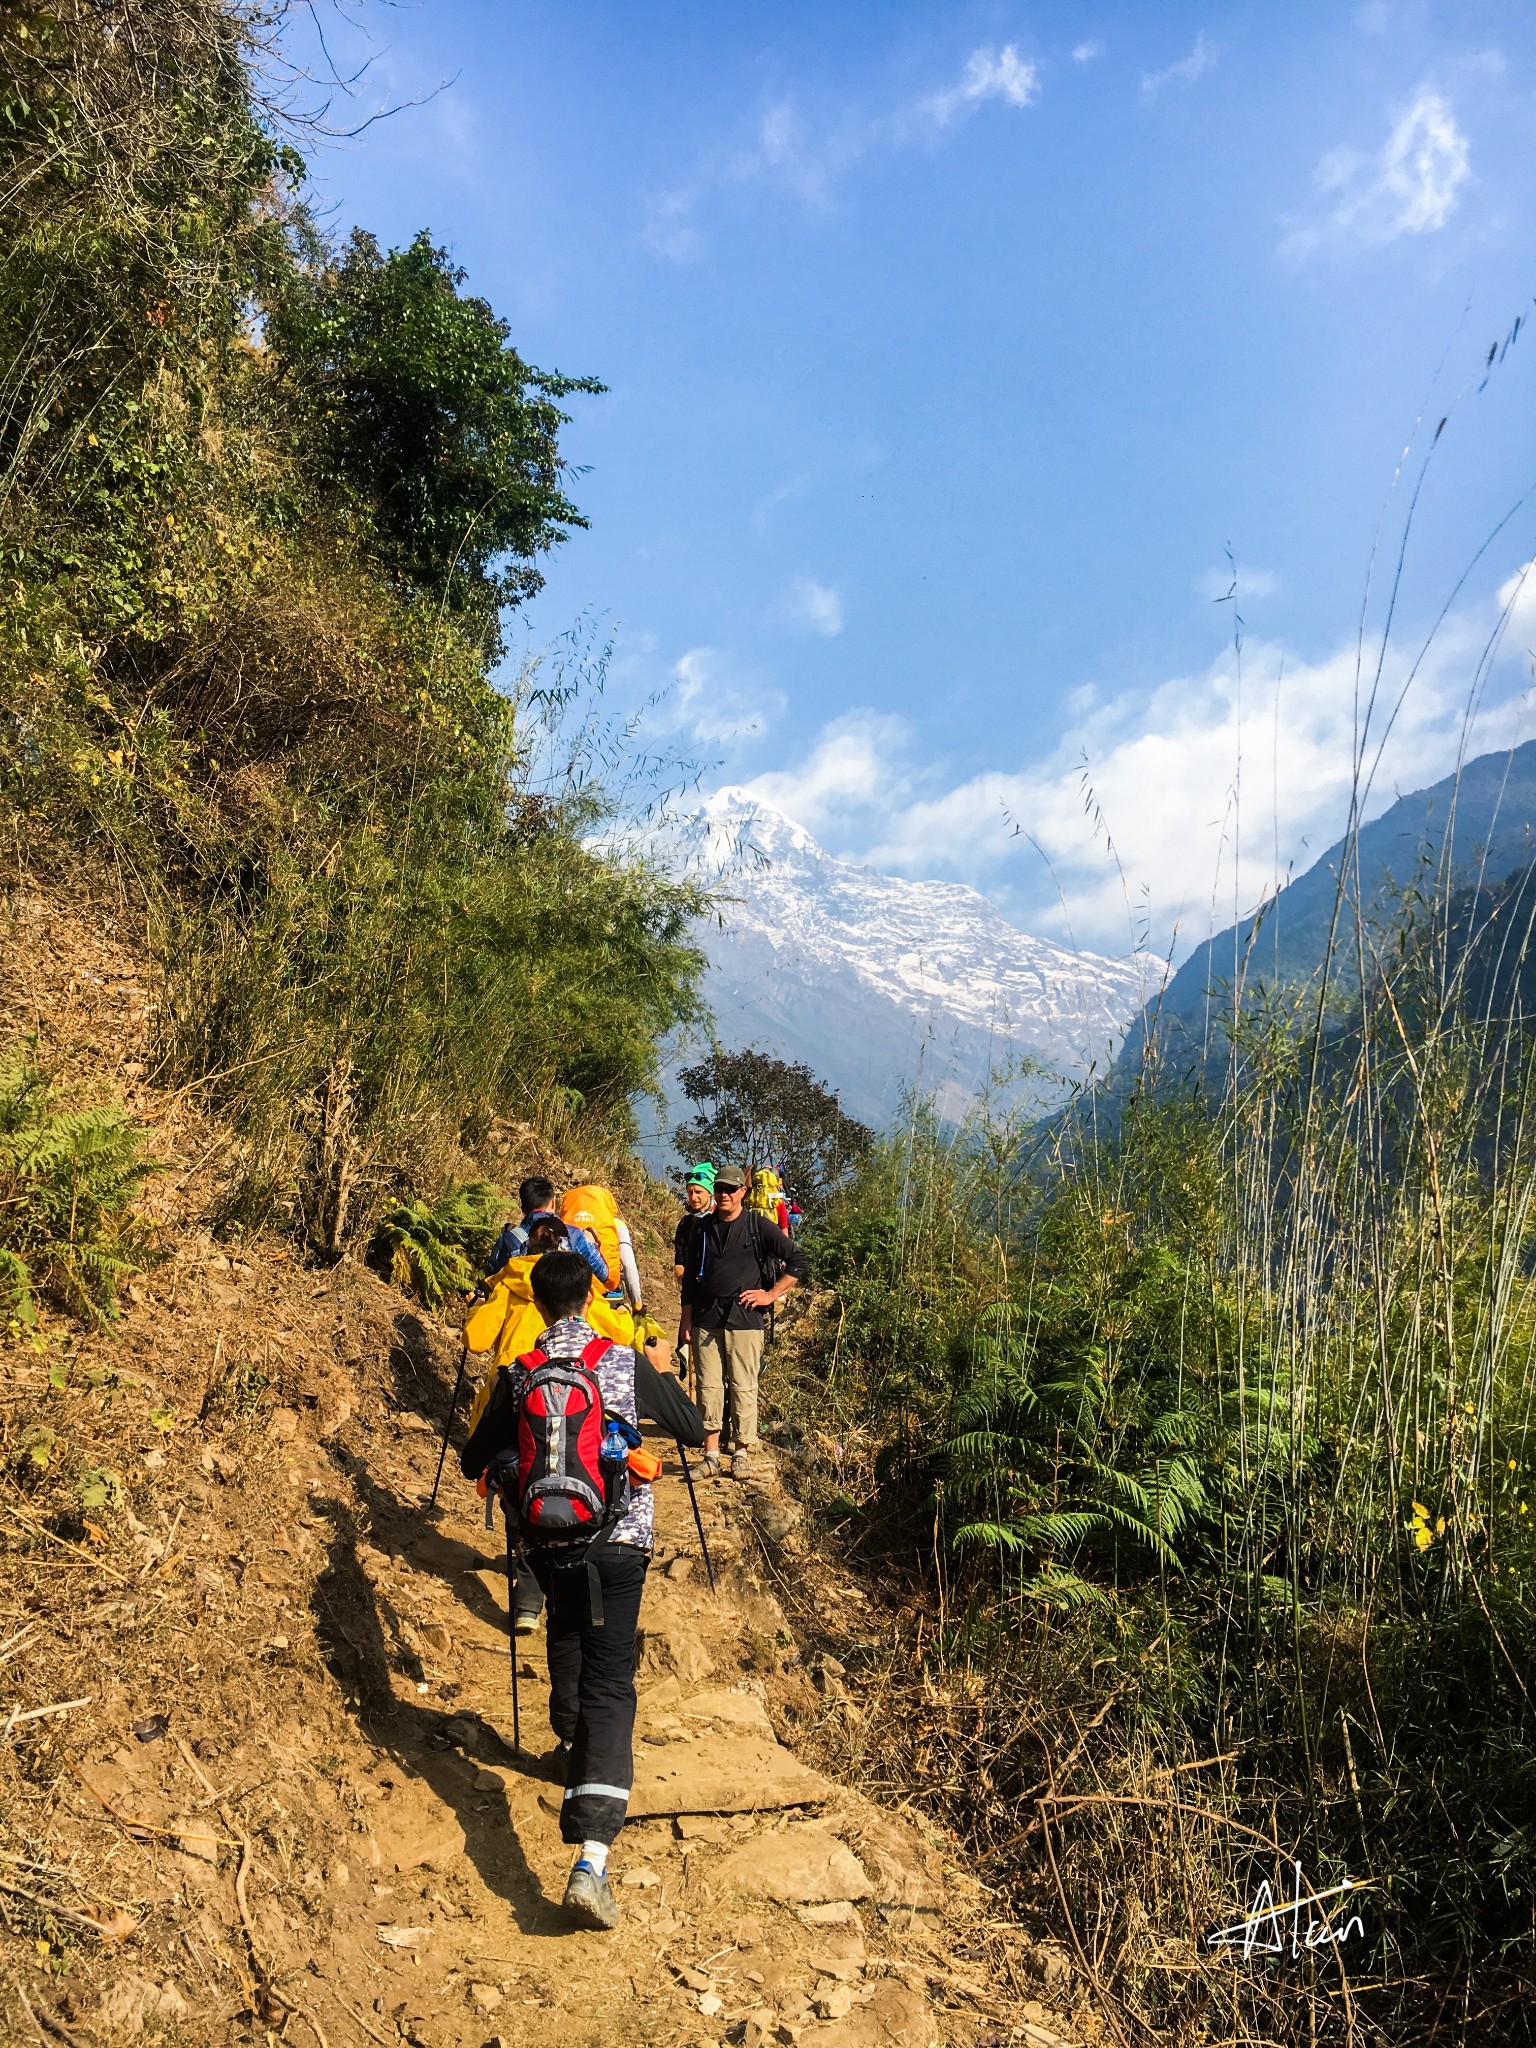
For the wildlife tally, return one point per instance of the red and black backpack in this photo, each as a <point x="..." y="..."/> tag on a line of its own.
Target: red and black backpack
<point x="560" y="1492"/>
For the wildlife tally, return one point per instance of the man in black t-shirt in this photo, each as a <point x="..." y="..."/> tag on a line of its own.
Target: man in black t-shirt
<point x="739" y="1264"/>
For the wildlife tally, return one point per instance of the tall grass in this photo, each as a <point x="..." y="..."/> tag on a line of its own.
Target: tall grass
<point x="1209" y="1453"/>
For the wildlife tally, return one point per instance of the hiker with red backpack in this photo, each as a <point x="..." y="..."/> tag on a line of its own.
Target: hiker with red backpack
<point x="559" y="1442"/>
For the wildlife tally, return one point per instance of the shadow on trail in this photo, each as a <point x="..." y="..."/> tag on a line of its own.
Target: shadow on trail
<point x="421" y="1376"/>
<point x="407" y="1533"/>
<point x="363" y="1640"/>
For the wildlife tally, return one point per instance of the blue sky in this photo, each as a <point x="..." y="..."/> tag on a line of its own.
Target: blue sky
<point x="950" y="348"/>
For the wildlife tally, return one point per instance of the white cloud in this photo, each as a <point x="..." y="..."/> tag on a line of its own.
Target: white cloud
<point x="787" y="151"/>
<point x="1411" y="186"/>
<point x="858" y="762"/>
<point x="814" y="608"/>
<point x="1201" y="59"/>
<point x="1177" y="810"/>
<point x="1517" y="600"/>
<point x="713" y="707"/>
<point x="669" y="229"/>
<point x="989" y="75"/>
<point x="1237" y="584"/>
<point x="1084" y="53"/>
<point x="807" y="159"/>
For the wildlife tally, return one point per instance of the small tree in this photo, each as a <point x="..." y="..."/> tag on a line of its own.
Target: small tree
<point x="424" y="410"/>
<point x="760" y="1111"/>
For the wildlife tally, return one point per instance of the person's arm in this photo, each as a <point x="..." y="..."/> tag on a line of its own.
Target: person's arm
<point x="582" y="1241"/>
<point x="797" y="1267"/>
<point x="496" y="1428"/>
<point x="628" y="1267"/>
<point x="659" y="1397"/>
<point x="502" y="1250"/>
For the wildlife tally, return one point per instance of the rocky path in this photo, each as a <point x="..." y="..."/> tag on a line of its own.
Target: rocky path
<point x="294" y="1806"/>
<point x="760" y="1901"/>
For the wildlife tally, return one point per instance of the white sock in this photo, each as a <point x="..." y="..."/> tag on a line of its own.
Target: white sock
<point x="595" y="1853"/>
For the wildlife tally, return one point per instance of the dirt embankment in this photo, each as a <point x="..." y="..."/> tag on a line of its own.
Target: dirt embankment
<point x="257" y="1775"/>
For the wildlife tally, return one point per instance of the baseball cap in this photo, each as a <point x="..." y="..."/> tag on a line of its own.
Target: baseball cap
<point x="727" y="1177"/>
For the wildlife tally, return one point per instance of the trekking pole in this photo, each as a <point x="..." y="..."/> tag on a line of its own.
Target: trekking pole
<point x="698" y="1519"/>
<point x="517" y="1729"/>
<point x="453" y="1405"/>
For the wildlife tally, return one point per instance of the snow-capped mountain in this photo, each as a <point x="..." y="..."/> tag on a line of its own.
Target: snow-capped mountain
<point x="876" y="982"/>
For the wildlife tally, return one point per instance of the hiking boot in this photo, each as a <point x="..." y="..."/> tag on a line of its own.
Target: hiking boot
<point x="525" y="1624"/>
<point x="741" y="1466"/>
<point x="589" y="1898"/>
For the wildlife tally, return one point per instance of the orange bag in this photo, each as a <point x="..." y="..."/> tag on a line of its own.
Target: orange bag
<point x="645" y="1466"/>
<point x="594" y="1210"/>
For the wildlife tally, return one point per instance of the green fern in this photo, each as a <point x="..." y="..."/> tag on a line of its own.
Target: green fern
<point x="430" y="1248"/>
<point x="68" y="1181"/>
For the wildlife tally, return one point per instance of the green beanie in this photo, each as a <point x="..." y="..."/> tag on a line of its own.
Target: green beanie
<point x="702" y="1176"/>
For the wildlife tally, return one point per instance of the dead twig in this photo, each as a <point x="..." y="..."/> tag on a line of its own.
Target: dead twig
<point x="19" y="1891"/>
<point x="304" y="2013"/>
<point x="353" y="2014"/>
<point x="267" y="1993"/>
<point x="197" y="1770"/>
<point x="41" y="1529"/>
<point x="150" y="1827"/>
<point x="19" y="1719"/>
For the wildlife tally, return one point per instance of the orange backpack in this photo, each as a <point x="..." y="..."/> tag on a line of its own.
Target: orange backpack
<point x="594" y="1210"/>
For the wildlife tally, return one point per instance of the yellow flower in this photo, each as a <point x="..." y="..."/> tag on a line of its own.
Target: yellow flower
<point x="1421" y="1536"/>
<point x="1420" y="1512"/>
<point x="1440" y="1526"/>
<point x="1513" y="1466"/>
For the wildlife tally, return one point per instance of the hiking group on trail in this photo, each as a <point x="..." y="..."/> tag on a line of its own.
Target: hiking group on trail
<point x="571" y="1364"/>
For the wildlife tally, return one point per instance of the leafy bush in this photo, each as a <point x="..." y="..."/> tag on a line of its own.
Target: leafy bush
<point x="68" y="1179"/>
<point x="434" y="1248"/>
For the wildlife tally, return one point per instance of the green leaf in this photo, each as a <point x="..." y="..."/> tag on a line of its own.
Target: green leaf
<point x="37" y="1446"/>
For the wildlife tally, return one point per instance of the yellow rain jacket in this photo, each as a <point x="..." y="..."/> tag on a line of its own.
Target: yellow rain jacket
<point x="510" y="1322"/>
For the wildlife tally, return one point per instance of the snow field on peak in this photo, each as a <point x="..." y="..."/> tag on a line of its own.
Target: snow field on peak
<point x="878" y="982"/>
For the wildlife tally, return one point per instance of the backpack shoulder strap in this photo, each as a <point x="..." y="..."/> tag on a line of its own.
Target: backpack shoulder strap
<point x="759" y="1249"/>
<point x="530" y="1361"/>
<point x="592" y="1354"/>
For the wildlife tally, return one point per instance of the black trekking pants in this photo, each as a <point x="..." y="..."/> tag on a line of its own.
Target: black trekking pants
<point x="592" y="1686"/>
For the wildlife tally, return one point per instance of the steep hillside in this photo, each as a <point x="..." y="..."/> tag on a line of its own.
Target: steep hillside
<point x="877" y="982"/>
<point x="257" y="1774"/>
<point x="1474" y="827"/>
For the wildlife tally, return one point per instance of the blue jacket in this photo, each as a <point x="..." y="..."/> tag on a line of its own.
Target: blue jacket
<point x="513" y="1242"/>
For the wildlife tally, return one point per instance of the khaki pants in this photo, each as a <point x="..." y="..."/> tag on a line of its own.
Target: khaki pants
<point x="735" y="1356"/>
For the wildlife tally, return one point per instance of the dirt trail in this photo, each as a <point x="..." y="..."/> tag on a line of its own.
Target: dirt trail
<point x="278" y="1798"/>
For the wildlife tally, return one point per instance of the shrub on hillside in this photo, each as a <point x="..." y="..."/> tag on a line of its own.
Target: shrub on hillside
<point x="68" y="1179"/>
<point x="435" y="1248"/>
<point x="262" y="502"/>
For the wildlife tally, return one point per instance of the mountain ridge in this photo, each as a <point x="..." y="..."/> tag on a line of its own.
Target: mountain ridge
<point x="1478" y="823"/>
<point x="878" y="981"/>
